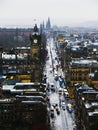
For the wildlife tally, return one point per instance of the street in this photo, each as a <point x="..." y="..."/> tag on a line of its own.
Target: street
<point x="64" y="120"/>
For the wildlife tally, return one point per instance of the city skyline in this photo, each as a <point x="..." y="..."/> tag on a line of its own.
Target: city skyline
<point x="61" y="12"/>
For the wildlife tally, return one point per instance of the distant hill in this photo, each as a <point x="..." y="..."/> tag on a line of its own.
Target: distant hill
<point x="90" y="24"/>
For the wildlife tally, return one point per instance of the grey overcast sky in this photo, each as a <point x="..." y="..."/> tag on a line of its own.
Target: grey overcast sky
<point x="61" y="12"/>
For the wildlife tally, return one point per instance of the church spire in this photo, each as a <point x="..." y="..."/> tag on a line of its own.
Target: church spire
<point x="48" y="24"/>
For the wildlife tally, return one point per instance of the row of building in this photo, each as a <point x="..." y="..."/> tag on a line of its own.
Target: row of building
<point x="25" y="64"/>
<point x="79" y="60"/>
<point x="86" y="107"/>
<point x="24" y="104"/>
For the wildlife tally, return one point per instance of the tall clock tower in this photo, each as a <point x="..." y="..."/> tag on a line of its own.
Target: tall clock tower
<point x="35" y="55"/>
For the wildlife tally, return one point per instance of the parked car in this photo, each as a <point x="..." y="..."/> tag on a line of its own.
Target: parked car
<point x="57" y="108"/>
<point x="52" y="112"/>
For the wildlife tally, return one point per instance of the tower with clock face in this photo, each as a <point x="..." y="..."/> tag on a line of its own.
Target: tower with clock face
<point x="35" y="40"/>
<point x="35" y="54"/>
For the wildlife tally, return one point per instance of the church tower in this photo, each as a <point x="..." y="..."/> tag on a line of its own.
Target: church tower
<point x="35" y="55"/>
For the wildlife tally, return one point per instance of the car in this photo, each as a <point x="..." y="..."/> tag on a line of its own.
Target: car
<point x="58" y="111"/>
<point x="69" y="108"/>
<point x="52" y="112"/>
<point x="66" y="94"/>
<point x="63" y="105"/>
<point x="60" y="90"/>
<point x="52" y="87"/>
<point x="56" y="77"/>
<point x="57" y="108"/>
